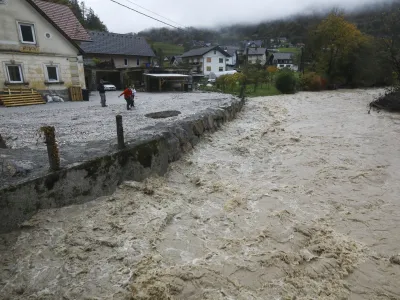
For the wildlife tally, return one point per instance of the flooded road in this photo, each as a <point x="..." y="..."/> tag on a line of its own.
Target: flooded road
<point x="298" y="198"/>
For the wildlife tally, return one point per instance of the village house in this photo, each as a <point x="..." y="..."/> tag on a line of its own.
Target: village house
<point x="282" y="40"/>
<point x="203" y="61"/>
<point x="231" y="62"/>
<point x="115" y="57"/>
<point x="257" y="55"/>
<point x="284" y="60"/>
<point x="39" y="47"/>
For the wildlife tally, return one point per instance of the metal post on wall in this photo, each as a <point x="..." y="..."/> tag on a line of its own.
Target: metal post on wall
<point x="49" y="133"/>
<point x="120" y="132"/>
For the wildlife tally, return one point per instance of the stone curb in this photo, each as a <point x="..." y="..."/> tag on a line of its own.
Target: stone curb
<point x="101" y="176"/>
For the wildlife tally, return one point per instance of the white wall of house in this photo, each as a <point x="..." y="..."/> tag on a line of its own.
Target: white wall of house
<point x="254" y="59"/>
<point x="123" y="62"/>
<point x="289" y="66"/>
<point x="231" y="60"/>
<point x="35" y="70"/>
<point x="214" y="61"/>
<point x="130" y="61"/>
<point x="49" y="50"/>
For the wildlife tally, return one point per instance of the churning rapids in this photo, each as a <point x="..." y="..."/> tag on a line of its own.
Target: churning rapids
<point x="298" y="198"/>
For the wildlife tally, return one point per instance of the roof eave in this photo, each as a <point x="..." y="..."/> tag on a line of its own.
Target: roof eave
<point x="41" y="12"/>
<point x="120" y="54"/>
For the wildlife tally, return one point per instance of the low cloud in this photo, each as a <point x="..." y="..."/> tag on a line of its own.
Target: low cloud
<point x="210" y="13"/>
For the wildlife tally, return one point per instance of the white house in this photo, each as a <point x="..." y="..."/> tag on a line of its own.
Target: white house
<point x="206" y="60"/>
<point x="284" y="60"/>
<point x="231" y="61"/>
<point x="39" y="46"/>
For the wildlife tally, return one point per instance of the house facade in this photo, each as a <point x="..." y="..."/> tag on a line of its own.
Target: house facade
<point x="39" y="47"/>
<point x="231" y="62"/>
<point x="284" y="60"/>
<point x="115" y="57"/>
<point x="257" y="55"/>
<point x="203" y="61"/>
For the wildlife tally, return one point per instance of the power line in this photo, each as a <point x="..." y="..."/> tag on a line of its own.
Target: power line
<point x="146" y="15"/>
<point x="154" y="12"/>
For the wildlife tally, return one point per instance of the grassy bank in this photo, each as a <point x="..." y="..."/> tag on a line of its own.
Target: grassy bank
<point x="168" y="49"/>
<point x="289" y="50"/>
<point x="260" y="91"/>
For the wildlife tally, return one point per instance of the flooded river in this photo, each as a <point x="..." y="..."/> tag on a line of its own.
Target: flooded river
<point x="298" y="198"/>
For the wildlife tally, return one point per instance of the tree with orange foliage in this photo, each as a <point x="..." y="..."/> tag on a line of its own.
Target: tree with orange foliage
<point x="331" y="42"/>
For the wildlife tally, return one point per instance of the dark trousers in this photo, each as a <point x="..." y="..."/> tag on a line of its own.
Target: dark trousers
<point x="129" y="103"/>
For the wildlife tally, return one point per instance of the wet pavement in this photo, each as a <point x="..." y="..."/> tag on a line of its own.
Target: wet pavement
<point x="296" y="199"/>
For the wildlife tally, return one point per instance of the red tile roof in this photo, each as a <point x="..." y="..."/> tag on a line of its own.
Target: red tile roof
<point x="63" y="17"/>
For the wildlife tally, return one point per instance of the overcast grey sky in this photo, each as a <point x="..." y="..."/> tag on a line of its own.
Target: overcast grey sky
<point x="207" y="13"/>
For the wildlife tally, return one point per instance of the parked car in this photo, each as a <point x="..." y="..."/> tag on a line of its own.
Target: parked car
<point x="108" y="86"/>
<point x="213" y="76"/>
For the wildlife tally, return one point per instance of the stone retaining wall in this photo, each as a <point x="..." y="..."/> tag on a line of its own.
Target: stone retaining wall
<point x="101" y="176"/>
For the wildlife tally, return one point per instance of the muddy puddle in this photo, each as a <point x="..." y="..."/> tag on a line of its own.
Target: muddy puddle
<point x="296" y="199"/>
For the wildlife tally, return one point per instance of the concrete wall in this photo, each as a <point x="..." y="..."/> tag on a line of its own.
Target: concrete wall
<point x="101" y="176"/>
<point x="51" y="49"/>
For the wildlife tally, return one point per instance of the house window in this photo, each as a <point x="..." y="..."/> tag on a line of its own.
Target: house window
<point x="215" y="51"/>
<point x="208" y="69"/>
<point x="208" y="59"/>
<point x="221" y="69"/>
<point x="27" y="33"/>
<point x="221" y="60"/>
<point x="138" y="62"/>
<point x="14" y="73"/>
<point x="281" y="66"/>
<point x="125" y="62"/>
<point x="52" y="73"/>
<point x="227" y="59"/>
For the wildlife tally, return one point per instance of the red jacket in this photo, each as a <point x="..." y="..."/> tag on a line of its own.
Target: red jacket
<point x="127" y="93"/>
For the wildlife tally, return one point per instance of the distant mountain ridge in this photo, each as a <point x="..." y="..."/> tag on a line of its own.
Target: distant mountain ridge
<point x="294" y="28"/>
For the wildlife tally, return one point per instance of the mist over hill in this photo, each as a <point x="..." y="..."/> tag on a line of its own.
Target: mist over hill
<point x="295" y="28"/>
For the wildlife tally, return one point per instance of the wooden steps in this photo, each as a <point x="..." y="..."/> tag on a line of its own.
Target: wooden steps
<point x="20" y="97"/>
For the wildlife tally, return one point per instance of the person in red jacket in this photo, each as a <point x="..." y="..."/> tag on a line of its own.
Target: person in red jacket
<point x="128" y="95"/>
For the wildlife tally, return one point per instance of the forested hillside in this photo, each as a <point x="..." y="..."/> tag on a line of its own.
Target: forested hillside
<point x="368" y="20"/>
<point x="85" y="14"/>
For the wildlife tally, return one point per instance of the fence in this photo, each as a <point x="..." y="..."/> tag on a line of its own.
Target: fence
<point x="75" y="93"/>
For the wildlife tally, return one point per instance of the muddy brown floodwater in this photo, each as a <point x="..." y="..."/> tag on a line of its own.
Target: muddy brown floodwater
<point x="296" y="199"/>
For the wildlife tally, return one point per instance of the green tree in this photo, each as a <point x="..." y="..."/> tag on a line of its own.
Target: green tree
<point x="286" y="82"/>
<point x="391" y="39"/>
<point x="88" y="19"/>
<point x="160" y="57"/>
<point x="331" y="42"/>
<point x="93" y="22"/>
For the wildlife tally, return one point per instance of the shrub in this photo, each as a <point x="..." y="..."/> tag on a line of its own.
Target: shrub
<point x="272" y="69"/>
<point x="311" y="82"/>
<point x="286" y="82"/>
